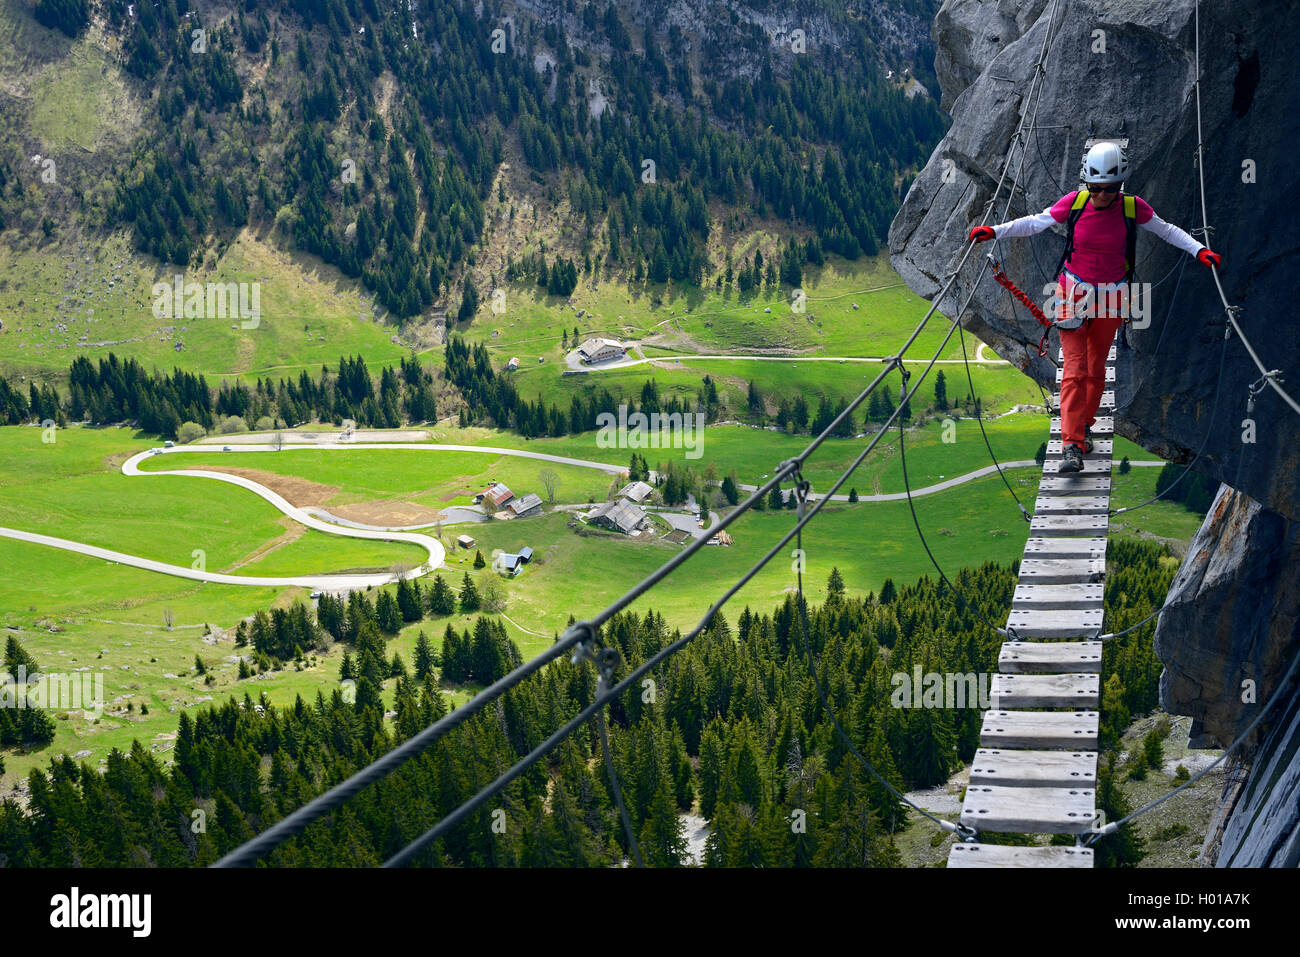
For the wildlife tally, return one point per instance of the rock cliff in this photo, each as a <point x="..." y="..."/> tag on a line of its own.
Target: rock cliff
<point x="1233" y="611"/>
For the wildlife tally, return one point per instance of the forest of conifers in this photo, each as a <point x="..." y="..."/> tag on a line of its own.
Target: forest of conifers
<point x="734" y="721"/>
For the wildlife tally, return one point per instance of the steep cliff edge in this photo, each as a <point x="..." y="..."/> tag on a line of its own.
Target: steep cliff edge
<point x="1233" y="612"/>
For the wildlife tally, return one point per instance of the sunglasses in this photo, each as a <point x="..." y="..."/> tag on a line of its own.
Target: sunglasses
<point x="1104" y="190"/>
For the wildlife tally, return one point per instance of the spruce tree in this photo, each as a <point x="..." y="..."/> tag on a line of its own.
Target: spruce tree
<point x="469" y="600"/>
<point x="424" y="659"/>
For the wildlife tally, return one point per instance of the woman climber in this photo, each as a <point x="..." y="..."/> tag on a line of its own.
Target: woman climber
<point x="1098" y="264"/>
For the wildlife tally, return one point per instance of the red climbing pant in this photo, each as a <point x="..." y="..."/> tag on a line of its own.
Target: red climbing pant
<point x="1084" y="377"/>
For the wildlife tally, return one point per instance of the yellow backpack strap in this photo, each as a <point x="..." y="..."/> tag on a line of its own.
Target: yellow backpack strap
<point x="1130" y="233"/>
<point x="1080" y="199"/>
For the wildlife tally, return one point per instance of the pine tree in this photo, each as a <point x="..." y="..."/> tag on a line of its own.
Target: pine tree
<point x="424" y="658"/>
<point x="941" y="392"/>
<point x="442" y="601"/>
<point x="16" y="657"/>
<point x="661" y="839"/>
<point x="835" y="584"/>
<point x="469" y="600"/>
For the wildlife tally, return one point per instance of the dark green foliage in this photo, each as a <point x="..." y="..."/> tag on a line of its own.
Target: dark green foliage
<point x="773" y="778"/>
<point x="17" y="657"/>
<point x="1178" y="484"/>
<point x="469" y="597"/>
<point x="70" y="16"/>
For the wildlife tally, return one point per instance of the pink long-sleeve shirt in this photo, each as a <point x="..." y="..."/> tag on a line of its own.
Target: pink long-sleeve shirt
<point x="1098" y="235"/>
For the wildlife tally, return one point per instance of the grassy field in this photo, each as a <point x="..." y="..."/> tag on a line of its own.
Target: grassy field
<point x="119" y="611"/>
<point x="929" y="458"/>
<point x="310" y="314"/>
<point x="434" y="479"/>
<point x="74" y="488"/>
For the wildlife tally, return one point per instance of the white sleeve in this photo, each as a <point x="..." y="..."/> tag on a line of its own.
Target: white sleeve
<point x="1025" y="225"/>
<point x="1172" y="235"/>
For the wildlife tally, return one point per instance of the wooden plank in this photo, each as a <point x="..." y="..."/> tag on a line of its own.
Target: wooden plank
<point x="1074" y="484"/>
<point x="1008" y="767"/>
<point x="1110" y="374"/>
<point x="1074" y="690"/>
<point x="1072" y="504"/>
<point x="998" y="855"/>
<point x="1105" y="425"/>
<point x="1049" y="657"/>
<point x="1055" y="623"/>
<point x="1029" y="810"/>
<point x="1107" y="399"/>
<point x="1061" y="571"/>
<point x="1099" y="447"/>
<point x="1085" y="596"/>
<point x="1039" y="729"/>
<point x="1050" y="547"/>
<point x="1068" y="526"/>
<point x="1092" y="467"/>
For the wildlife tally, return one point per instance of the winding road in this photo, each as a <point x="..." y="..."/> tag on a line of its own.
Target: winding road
<point x="310" y="517"/>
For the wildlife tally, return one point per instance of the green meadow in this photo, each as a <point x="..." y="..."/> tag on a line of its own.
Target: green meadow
<point x="95" y="608"/>
<point x="431" y="478"/>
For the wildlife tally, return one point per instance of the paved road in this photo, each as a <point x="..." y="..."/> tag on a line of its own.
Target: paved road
<point x="691" y="356"/>
<point x="939" y="486"/>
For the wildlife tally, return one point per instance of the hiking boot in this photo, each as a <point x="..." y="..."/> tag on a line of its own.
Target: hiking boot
<point x="1073" y="460"/>
<point x="1087" y="439"/>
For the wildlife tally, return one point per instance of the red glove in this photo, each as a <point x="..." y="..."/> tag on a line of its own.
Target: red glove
<point x="981" y="233"/>
<point x="1208" y="257"/>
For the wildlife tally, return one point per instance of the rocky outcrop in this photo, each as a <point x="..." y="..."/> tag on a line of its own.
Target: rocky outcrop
<point x="1233" y="611"/>
<point x="1231" y="616"/>
<point x="968" y="36"/>
<point x="1168" y="381"/>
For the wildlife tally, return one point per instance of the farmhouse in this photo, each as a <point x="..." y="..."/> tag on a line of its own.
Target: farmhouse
<point x="508" y="564"/>
<point x="600" y="350"/>
<point x="464" y="541"/>
<point x="636" y="491"/>
<point x="530" y="504"/>
<point x="496" y="493"/>
<point x="620" y="515"/>
<point x="525" y="554"/>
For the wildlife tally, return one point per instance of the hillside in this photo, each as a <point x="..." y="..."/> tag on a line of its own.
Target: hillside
<point x="394" y="159"/>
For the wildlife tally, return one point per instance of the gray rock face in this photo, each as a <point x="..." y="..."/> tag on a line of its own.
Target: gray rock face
<point x="1233" y="612"/>
<point x="968" y="36"/>
<point x="1168" y="381"/>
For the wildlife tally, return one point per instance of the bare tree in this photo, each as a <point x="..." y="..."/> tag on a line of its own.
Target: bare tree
<point x="399" y="570"/>
<point x="493" y="595"/>
<point x="167" y="618"/>
<point x="277" y="440"/>
<point x="550" y="481"/>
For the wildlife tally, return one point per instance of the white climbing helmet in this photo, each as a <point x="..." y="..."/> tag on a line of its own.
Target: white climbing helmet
<point x="1105" y="163"/>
